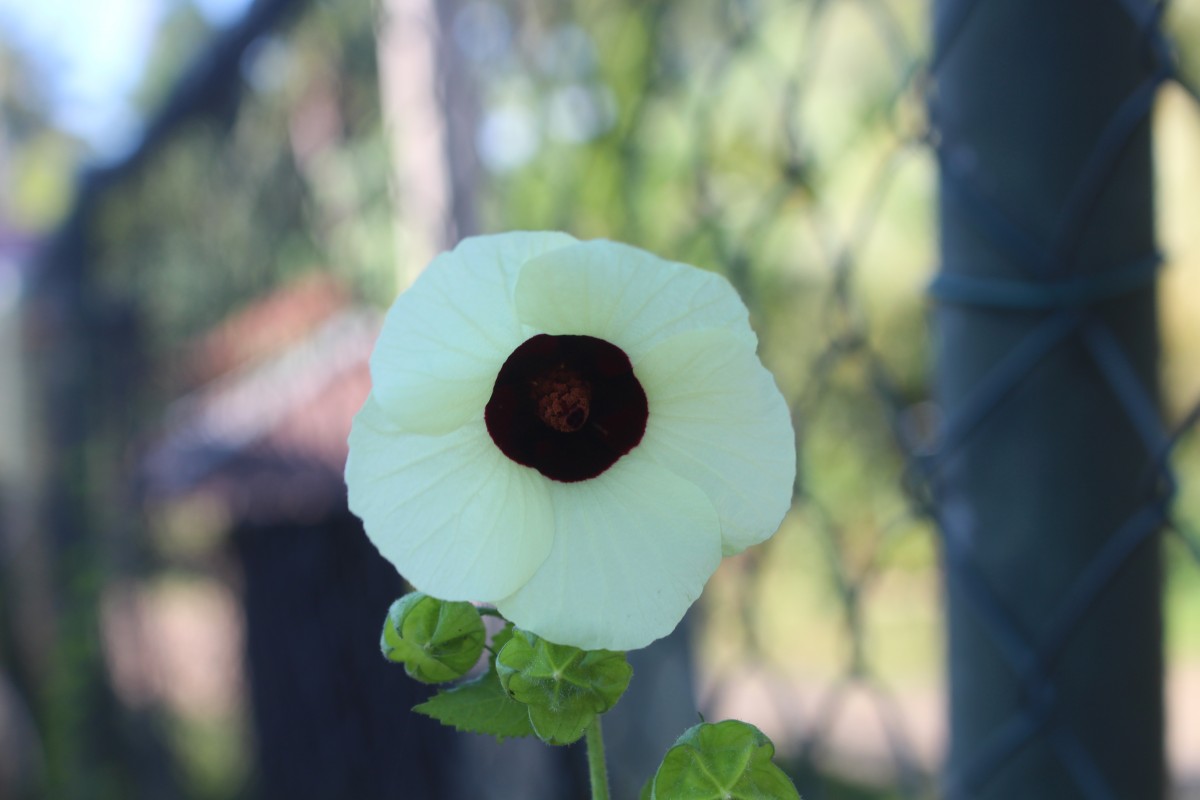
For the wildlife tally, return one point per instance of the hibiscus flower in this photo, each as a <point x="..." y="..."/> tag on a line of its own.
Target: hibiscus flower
<point x="575" y="432"/>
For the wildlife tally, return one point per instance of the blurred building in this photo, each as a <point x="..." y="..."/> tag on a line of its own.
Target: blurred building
<point x="261" y="436"/>
<point x="275" y="386"/>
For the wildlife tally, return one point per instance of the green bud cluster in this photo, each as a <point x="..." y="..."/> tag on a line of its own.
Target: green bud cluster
<point x="437" y="641"/>
<point x="533" y="687"/>
<point x="564" y="687"/>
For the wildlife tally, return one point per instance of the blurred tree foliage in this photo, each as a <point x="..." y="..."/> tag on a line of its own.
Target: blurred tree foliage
<point x="291" y="180"/>
<point x="32" y="153"/>
<point x="296" y="181"/>
<point x="779" y="142"/>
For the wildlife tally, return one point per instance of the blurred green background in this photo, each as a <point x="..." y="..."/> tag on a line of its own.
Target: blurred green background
<point x="780" y="142"/>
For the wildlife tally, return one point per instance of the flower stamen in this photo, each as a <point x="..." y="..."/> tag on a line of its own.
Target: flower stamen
<point x="563" y="399"/>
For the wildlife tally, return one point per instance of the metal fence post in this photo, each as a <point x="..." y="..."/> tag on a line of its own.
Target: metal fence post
<point x="1047" y="362"/>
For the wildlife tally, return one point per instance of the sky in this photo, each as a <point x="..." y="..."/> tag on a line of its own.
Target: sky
<point x="91" y="55"/>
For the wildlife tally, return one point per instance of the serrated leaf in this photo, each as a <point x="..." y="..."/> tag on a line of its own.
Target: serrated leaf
<point x="501" y="638"/>
<point x="436" y="640"/>
<point x="479" y="706"/>
<point x="564" y="687"/>
<point x="728" y="760"/>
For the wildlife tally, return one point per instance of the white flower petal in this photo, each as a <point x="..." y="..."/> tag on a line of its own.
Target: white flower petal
<point x="718" y="420"/>
<point x="632" y="551"/>
<point x="455" y="516"/>
<point x="625" y="296"/>
<point x="445" y="338"/>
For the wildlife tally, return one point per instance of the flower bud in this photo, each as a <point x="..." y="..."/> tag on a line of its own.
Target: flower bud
<point x="436" y="640"/>
<point x="564" y="687"/>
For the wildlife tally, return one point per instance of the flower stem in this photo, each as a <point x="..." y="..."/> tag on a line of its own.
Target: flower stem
<point x="597" y="768"/>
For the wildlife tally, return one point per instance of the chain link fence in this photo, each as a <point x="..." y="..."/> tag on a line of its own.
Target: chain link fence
<point x="790" y="145"/>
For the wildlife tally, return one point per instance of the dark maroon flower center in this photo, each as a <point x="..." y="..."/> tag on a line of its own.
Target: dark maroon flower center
<point x="568" y="406"/>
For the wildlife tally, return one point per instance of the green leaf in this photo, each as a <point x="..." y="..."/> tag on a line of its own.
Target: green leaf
<point x="436" y="640"/>
<point x="564" y="687"/>
<point x="499" y="639"/>
<point x="479" y="706"/>
<point x="728" y="760"/>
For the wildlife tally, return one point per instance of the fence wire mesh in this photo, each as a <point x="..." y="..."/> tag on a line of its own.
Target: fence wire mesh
<point x="787" y="144"/>
<point x="806" y="176"/>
